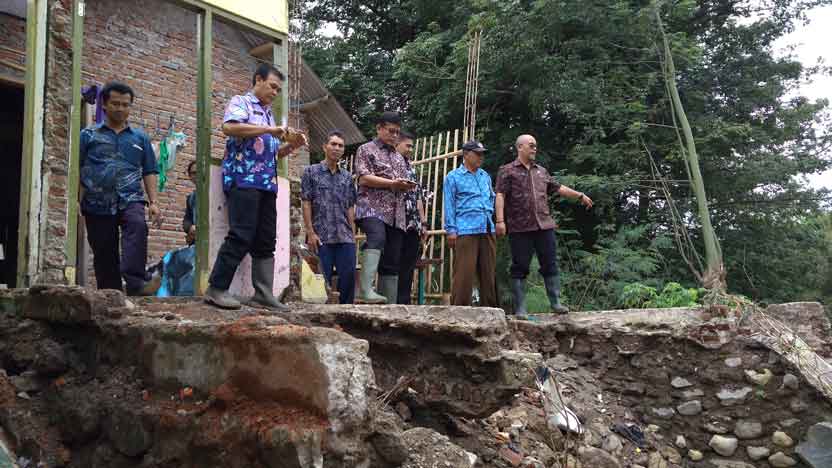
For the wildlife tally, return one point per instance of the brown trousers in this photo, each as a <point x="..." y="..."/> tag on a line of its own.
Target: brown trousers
<point x="475" y="256"/>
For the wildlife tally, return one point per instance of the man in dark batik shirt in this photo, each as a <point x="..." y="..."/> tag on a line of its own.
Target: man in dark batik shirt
<point x="328" y="195"/>
<point x="416" y="227"/>
<point x="522" y="206"/>
<point x="249" y="177"/>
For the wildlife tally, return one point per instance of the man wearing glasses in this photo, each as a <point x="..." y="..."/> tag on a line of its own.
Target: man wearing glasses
<point x="523" y="189"/>
<point x="116" y="160"/>
<point x="381" y="209"/>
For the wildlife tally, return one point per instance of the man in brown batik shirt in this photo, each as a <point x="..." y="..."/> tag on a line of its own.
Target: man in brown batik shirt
<point x="522" y="210"/>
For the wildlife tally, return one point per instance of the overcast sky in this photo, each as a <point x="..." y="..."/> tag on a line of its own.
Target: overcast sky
<point x="812" y="42"/>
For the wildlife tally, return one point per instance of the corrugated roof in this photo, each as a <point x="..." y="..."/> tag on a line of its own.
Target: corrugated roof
<point x="323" y="113"/>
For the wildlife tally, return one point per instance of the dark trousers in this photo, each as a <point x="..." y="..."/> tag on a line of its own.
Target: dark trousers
<point x="411" y="251"/>
<point x="475" y="256"/>
<point x="525" y="244"/>
<point x="342" y="257"/>
<point x="386" y="238"/>
<point x="252" y="221"/>
<point x="103" y="235"/>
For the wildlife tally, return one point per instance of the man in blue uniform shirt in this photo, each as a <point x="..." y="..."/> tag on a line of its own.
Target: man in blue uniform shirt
<point x="116" y="159"/>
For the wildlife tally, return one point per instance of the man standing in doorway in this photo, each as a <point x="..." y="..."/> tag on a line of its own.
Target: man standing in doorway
<point x="469" y="209"/>
<point x="382" y="186"/>
<point x="189" y="219"/>
<point x="523" y="189"/>
<point x="328" y="195"/>
<point x="116" y="159"/>
<point x="249" y="177"/>
<point x="416" y="229"/>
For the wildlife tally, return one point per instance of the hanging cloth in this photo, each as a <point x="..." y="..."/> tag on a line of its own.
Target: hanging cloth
<point x="164" y="164"/>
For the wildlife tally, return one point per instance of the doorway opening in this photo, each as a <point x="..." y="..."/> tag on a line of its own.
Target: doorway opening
<point x="11" y="155"/>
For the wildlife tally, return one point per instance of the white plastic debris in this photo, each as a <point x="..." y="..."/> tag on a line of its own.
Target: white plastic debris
<point x="558" y="415"/>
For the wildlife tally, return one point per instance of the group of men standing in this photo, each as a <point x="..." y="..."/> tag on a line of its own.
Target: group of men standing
<point x="383" y="198"/>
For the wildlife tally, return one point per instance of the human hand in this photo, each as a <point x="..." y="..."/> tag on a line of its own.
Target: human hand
<point x="501" y="229"/>
<point x="190" y="237"/>
<point x="452" y="240"/>
<point x="155" y="215"/>
<point x="313" y="241"/>
<point x="586" y="201"/>
<point x="403" y="185"/>
<point x="278" y="132"/>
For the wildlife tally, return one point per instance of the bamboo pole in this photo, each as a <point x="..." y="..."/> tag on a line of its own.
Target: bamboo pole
<point x="442" y="219"/>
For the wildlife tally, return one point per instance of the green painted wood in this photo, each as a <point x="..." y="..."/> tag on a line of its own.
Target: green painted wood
<point x="203" y="148"/>
<point x="280" y="107"/>
<point x="74" y="137"/>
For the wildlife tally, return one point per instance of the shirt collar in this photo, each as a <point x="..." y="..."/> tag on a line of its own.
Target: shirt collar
<point x="324" y="168"/>
<point x="517" y="163"/>
<point x="103" y="124"/>
<point x="254" y="100"/>
<point x="384" y="145"/>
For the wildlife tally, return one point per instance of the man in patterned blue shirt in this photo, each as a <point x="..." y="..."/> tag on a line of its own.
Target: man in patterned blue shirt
<point x="116" y="159"/>
<point x="469" y="209"/>
<point x="328" y="194"/>
<point x="249" y="177"/>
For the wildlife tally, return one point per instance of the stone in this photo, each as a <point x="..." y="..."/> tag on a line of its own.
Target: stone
<point x="612" y="444"/>
<point x="596" y="458"/>
<point x="725" y="446"/>
<point x="663" y="413"/>
<point x="680" y="382"/>
<point x="671" y="455"/>
<point x="790" y="382"/>
<point x="731" y="397"/>
<point x="797" y="405"/>
<point x="690" y="408"/>
<point x="79" y="418"/>
<point x="781" y="439"/>
<point x="715" y="427"/>
<point x="695" y="455"/>
<point x="656" y="461"/>
<point x="757" y="453"/>
<point x="745" y="429"/>
<point x="387" y="438"/>
<point x="429" y="448"/>
<point x="780" y="460"/>
<point x="816" y="451"/>
<point x="717" y="463"/>
<point x="50" y="359"/>
<point x="652" y="428"/>
<point x="733" y="362"/>
<point x="759" y="378"/>
<point x="130" y="435"/>
<point x="69" y="304"/>
<point x="692" y="394"/>
<point x="26" y="382"/>
<point x="403" y="411"/>
<point x="789" y="423"/>
<point x="681" y="442"/>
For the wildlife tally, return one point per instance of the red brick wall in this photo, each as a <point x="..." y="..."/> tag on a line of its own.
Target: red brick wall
<point x="12" y="36"/>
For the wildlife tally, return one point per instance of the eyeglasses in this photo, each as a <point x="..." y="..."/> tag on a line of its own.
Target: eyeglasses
<point x="393" y="130"/>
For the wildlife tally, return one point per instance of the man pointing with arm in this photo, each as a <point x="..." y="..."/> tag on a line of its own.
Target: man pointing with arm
<point x="522" y="206"/>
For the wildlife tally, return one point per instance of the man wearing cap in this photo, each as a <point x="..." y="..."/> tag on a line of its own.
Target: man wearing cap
<point x="523" y="189"/>
<point x="469" y="208"/>
<point x="380" y="209"/>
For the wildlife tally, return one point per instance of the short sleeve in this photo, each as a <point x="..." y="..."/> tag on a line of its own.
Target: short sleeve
<point x="503" y="181"/>
<point x="236" y="111"/>
<point x="363" y="163"/>
<point x="149" y="159"/>
<point x="306" y="185"/>
<point x="552" y="186"/>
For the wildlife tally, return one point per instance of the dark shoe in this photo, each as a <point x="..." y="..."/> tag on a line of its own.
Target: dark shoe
<point x="366" y="294"/>
<point x="389" y="288"/>
<point x="221" y="299"/>
<point x="518" y="290"/>
<point x="553" y="291"/>
<point x="262" y="278"/>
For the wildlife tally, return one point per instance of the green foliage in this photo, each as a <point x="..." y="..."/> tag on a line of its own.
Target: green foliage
<point x="639" y="296"/>
<point x="585" y="79"/>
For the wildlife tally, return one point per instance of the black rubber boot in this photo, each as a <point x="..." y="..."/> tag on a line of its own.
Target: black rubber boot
<point x="553" y="291"/>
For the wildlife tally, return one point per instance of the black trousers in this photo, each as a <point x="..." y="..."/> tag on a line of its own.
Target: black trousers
<point x="252" y="221"/>
<point x="525" y="244"/>
<point x="386" y="238"/>
<point x="103" y="235"/>
<point x="411" y="251"/>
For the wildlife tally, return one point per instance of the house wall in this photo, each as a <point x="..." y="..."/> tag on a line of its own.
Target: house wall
<point x="150" y="46"/>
